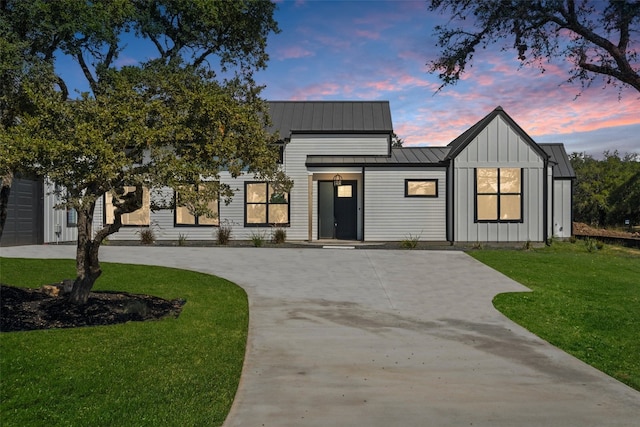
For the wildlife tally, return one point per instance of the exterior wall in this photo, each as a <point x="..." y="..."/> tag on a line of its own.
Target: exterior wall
<point x="498" y="146"/>
<point x="56" y="220"/>
<point x="326" y="174"/>
<point x="390" y="216"/>
<point x="562" y="226"/>
<point x="295" y="156"/>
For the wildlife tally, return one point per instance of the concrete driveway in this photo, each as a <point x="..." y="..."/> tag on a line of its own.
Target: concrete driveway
<point x="388" y="338"/>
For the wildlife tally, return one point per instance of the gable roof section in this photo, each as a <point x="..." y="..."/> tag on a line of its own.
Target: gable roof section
<point x="409" y="156"/>
<point x="461" y="142"/>
<point x="289" y="117"/>
<point x="561" y="165"/>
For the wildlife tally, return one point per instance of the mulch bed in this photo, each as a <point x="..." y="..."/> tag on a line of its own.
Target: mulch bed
<point x="25" y="309"/>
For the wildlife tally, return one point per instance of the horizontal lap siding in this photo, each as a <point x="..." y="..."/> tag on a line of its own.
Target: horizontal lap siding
<point x="390" y="216"/>
<point x="162" y="222"/>
<point x="498" y="146"/>
<point x="296" y="154"/>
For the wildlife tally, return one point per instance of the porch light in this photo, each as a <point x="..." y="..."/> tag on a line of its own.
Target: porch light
<point x="337" y="180"/>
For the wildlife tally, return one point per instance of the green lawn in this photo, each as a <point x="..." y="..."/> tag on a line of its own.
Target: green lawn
<point x="174" y="372"/>
<point x="586" y="303"/>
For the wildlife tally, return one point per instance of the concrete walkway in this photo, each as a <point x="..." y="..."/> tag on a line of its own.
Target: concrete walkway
<point x="387" y="338"/>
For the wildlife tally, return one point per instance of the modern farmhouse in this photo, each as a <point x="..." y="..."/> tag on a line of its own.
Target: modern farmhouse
<point x="493" y="183"/>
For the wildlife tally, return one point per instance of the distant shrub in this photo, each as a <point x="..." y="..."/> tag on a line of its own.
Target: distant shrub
<point x="279" y="235"/>
<point x="258" y="238"/>
<point x="223" y="233"/>
<point x="410" y="242"/>
<point x="147" y="236"/>
<point x="182" y="239"/>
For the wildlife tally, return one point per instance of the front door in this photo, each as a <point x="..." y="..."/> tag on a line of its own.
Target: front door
<point x="338" y="210"/>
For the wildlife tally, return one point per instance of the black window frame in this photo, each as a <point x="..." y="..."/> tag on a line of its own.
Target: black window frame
<point x="71" y="217"/>
<point x="499" y="198"/>
<point x="104" y="210"/>
<point x="406" y="188"/>
<point x="267" y="204"/>
<point x="197" y="217"/>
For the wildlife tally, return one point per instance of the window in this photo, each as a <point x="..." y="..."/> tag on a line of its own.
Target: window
<point x="72" y="217"/>
<point x="420" y="188"/>
<point x="263" y="206"/>
<point x="184" y="217"/>
<point x="345" y="190"/>
<point x="139" y="217"/>
<point x="498" y="195"/>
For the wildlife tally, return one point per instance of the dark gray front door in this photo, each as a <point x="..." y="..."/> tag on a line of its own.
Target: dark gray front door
<point x="338" y="210"/>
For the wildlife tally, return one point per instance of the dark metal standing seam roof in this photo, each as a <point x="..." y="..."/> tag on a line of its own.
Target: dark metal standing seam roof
<point x="409" y="156"/>
<point x="562" y="166"/>
<point x="289" y="117"/>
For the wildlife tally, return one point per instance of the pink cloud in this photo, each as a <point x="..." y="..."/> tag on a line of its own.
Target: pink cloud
<point x="293" y="52"/>
<point x="371" y="35"/>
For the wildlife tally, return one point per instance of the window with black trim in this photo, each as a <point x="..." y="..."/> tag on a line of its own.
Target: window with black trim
<point x="72" y="217"/>
<point x="498" y="195"/>
<point x="185" y="218"/>
<point x="137" y="218"/>
<point x="263" y="206"/>
<point x="420" y="188"/>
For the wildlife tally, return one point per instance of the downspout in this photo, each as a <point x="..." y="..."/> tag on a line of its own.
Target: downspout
<point x="545" y="196"/>
<point x="363" y="203"/>
<point x="449" y="203"/>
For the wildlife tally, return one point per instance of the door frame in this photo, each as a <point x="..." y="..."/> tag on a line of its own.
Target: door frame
<point x="354" y="183"/>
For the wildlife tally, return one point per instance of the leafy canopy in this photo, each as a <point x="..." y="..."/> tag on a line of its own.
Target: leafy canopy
<point x="595" y="37"/>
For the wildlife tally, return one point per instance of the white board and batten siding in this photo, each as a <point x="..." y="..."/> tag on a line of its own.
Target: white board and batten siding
<point x="562" y="208"/>
<point x="56" y="228"/>
<point x="390" y="216"/>
<point x="498" y="146"/>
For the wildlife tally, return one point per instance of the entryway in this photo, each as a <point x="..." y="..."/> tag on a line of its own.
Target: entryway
<point x="338" y="210"/>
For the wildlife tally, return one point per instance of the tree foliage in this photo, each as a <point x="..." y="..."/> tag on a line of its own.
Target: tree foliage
<point x="595" y="37"/>
<point x="606" y="192"/>
<point x="179" y="118"/>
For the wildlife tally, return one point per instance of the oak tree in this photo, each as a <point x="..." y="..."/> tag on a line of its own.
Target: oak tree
<point x="598" y="38"/>
<point x="188" y="111"/>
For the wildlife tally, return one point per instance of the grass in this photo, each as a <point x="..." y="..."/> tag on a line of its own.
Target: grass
<point x="181" y="371"/>
<point x="586" y="303"/>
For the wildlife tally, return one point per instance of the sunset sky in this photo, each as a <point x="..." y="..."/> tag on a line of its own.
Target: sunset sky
<point x="378" y="50"/>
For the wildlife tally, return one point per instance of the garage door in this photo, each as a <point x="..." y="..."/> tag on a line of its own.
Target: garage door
<point x="25" y="216"/>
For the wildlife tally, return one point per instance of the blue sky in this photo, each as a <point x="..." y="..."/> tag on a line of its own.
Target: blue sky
<point x="378" y="50"/>
<point x="365" y="50"/>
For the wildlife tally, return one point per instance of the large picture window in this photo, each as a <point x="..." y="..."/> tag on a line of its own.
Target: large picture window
<point x="498" y="195"/>
<point x="139" y="217"/>
<point x="263" y="206"/>
<point x="420" y="188"/>
<point x="184" y="217"/>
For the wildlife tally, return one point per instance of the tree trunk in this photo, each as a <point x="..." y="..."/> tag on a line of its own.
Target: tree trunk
<point x="7" y="179"/>
<point x="87" y="263"/>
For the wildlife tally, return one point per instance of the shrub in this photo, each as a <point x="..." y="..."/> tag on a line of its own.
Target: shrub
<point x="182" y="239"/>
<point x="410" y="242"/>
<point x="258" y="238"/>
<point x="147" y="236"/>
<point x="593" y="245"/>
<point x="279" y="235"/>
<point x="477" y="245"/>
<point x="573" y="239"/>
<point x="223" y="234"/>
<point x="528" y="245"/>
